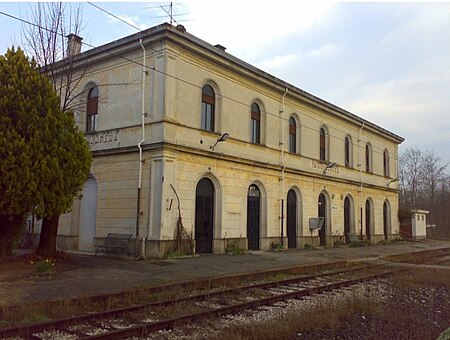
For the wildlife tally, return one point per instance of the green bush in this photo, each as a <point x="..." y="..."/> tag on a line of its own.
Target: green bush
<point x="44" y="267"/>
<point x="276" y="246"/>
<point x="234" y="248"/>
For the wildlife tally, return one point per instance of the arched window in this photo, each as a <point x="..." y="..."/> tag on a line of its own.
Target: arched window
<point x="92" y="109"/>
<point x="386" y="219"/>
<point x="323" y="145"/>
<point x="369" y="158"/>
<point x="386" y="163"/>
<point x="253" y="217"/>
<point x="256" y="124"/>
<point x="348" y="152"/>
<point x="292" y="135"/>
<point x="208" y="105"/>
<point x="349" y="217"/>
<point x="369" y="218"/>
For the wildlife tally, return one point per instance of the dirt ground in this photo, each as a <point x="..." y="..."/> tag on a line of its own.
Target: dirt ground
<point x="19" y="271"/>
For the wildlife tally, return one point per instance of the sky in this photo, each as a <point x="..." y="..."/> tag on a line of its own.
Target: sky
<point x="388" y="63"/>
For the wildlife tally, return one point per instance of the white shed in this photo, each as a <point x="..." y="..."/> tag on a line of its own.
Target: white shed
<point x="419" y="223"/>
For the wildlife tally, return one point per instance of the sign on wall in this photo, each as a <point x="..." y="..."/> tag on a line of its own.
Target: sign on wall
<point x="322" y="166"/>
<point x="103" y="137"/>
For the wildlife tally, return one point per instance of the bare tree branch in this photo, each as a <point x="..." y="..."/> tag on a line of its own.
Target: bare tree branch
<point x="424" y="183"/>
<point x="47" y="42"/>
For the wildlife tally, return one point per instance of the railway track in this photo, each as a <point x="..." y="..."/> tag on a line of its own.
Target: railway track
<point x="144" y="319"/>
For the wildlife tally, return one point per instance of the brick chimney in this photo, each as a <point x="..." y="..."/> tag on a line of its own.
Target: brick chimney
<point x="220" y="47"/>
<point x="73" y="44"/>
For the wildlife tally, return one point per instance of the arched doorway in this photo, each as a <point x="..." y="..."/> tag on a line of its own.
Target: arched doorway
<point x="323" y="213"/>
<point x="347" y="219"/>
<point x="369" y="219"/>
<point x="88" y="215"/>
<point x="292" y="219"/>
<point x="204" y="216"/>
<point x="253" y="217"/>
<point x="386" y="219"/>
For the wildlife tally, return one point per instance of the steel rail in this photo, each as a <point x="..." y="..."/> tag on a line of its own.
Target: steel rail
<point x="28" y="330"/>
<point x="59" y="323"/>
<point x="143" y="329"/>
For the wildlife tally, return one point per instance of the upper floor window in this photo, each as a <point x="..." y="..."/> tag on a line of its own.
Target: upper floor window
<point x="386" y="163"/>
<point x="348" y="151"/>
<point x="208" y="105"/>
<point x="256" y="124"/>
<point x="92" y="110"/>
<point x="292" y="135"/>
<point x="323" y="154"/>
<point x="369" y="158"/>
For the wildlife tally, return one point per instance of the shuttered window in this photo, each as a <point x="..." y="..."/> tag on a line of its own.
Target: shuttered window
<point x="208" y="108"/>
<point x="292" y="135"/>
<point x="347" y="151"/>
<point x="255" y="124"/>
<point x="92" y="110"/>
<point x="323" y="153"/>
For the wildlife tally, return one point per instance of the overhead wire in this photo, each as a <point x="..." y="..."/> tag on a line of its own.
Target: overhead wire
<point x="114" y="16"/>
<point x="245" y="104"/>
<point x="346" y="132"/>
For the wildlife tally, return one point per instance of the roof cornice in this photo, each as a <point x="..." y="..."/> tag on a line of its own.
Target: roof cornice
<point x="180" y="36"/>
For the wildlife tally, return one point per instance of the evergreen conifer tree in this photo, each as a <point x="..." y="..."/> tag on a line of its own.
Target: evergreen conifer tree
<point x="44" y="157"/>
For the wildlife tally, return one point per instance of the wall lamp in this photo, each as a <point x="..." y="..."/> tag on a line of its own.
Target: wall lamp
<point x="392" y="181"/>
<point x="328" y="167"/>
<point x="222" y="138"/>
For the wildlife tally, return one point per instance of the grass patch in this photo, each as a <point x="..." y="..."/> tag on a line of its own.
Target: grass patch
<point x="44" y="267"/>
<point x="279" y="277"/>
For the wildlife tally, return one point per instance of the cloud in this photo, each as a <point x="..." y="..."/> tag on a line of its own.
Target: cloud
<point x="287" y="63"/>
<point x="323" y="51"/>
<point x="278" y="61"/>
<point x="133" y="21"/>
<point x="416" y="108"/>
<point x="409" y="104"/>
<point x="388" y="63"/>
<point x="247" y="26"/>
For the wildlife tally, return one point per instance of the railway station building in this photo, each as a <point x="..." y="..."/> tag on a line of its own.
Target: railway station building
<point x="179" y="126"/>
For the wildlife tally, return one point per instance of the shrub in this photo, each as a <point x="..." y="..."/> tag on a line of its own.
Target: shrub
<point x="276" y="246"/>
<point x="234" y="248"/>
<point x="43" y="267"/>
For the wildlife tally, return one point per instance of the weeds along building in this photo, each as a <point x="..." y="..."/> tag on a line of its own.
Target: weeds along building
<point x="179" y="126"/>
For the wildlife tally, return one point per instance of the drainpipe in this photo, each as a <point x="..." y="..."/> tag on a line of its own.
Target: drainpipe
<point x="282" y="166"/>
<point x="140" y="242"/>
<point x="360" y="179"/>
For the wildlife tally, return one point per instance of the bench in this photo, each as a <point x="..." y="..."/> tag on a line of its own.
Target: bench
<point x="115" y="242"/>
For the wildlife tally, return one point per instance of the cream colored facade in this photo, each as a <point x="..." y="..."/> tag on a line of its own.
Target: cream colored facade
<point x="177" y="154"/>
